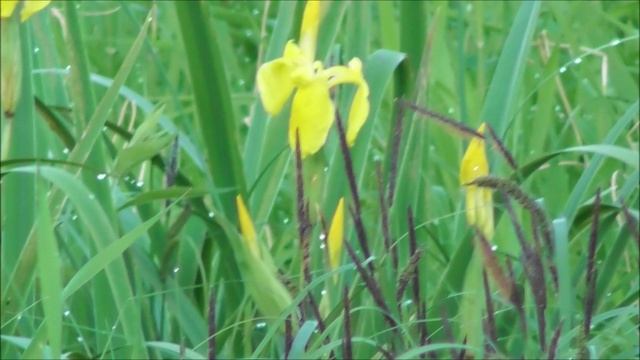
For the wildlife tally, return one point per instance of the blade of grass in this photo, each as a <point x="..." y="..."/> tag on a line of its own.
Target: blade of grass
<point x="49" y="265"/>
<point x="215" y="115"/>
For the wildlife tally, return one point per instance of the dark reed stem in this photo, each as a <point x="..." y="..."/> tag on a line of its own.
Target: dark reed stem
<point x="212" y="325"/>
<point x="346" y="337"/>
<point x="304" y="228"/>
<point x="448" y="332"/>
<point x="348" y="167"/>
<point x="516" y="298"/>
<point x="444" y="120"/>
<point x="514" y="191"/>
<point x="591" y="267"/>
<point x="288" y="338"/>
<point x="395" y="153"/>
<point x="631" y="222"/>
<point x="491" y="264"/>
<point x="491" y="322"/>
<point x="384" y="219"/>
<point x="553" y="346"/>
<point x="495" y="139"/>
<point x="406" y="276"/>
<point x="533" y="270"/>
<point x="303" y="220"/>
<point x="371" y="286"/>
<point x="462" y="352"/>
<point x="414" y="252"/>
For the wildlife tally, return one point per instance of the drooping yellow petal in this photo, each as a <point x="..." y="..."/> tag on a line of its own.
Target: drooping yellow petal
<point x="360" y="105"/>
<point x="31" y="7"/>
<point x="7" y="7"/>
<point x="275" y="84"/>
<point x="336" y="235"/>
<point x="479" y="201"/>
<point x="312" y="114"/>
<point x="246" y="227"/>
<point x="309" y="29"/>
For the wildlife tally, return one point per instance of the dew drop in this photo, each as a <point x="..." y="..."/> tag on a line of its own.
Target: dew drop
<point x="101" y="176"/>
<point x="80" y="339"/>
<point x="494" y="248"/>
<point x="323" y="292"/>
<point x="74" y="217"/>
<point x="450" y="110"/>
<point x="67" y="313"/>
<point x="68" y="68"/>
<point x="261" y="325"/>
<point x="176" y="269"/>
<point x="326" y="168"/>
<point x="615" y="42"/>
<point x="36" y="50"/>
<point x="563" y="69"/>
<point x="19" y="317"/>
<point x="322" y="236"/>
<point x="407" y="302"/>
<point x="140" y="184"/>
<point x="285" y="221"/>
<point x="113" y="327"/>
<point x="577" y="61"/>
<point x="65" y="151"/>
<point x="322" y="245"/>
<point x="211" y="214"/>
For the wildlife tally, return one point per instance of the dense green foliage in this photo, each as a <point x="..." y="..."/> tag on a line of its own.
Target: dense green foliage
<point x="138" y="124"/>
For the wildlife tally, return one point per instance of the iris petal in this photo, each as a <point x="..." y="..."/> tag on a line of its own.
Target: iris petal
<point x="358" y="113"/>
<point x="275" y="84"/>
<point x="311" y="115"/>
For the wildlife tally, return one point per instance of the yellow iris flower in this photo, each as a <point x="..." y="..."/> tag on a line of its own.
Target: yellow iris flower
<point x="479" y="201"/>
<point x="29" y="8"/>
<point x="312" y="111"/>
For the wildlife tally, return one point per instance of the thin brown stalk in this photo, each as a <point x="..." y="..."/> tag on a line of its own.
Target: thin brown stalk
<point x="372" y="286"/>
<point x="631" y="222"/>
<point x="406" y="276"/>
<point x="514" y="191"/>
<point x="346" y="337"/>
<point x="448" y="333"/>
<point x="553" y="346"/>
<point x="534" y="272"/>
<point x="348" y="165"/>
<point x="288" y="338"/>
<point x="172" y="168"/>
<point x="516" y="298"/>
<point x="413" y="250"/>
<point x="384" y="220"/>
<point x="450" y="123"/>
<point x="495" y="139"/>
<point x="492" y="265"/>
<point x="303" y="221"/>
<point x="491" y="322"/>
<point x="462" y="352"/>
<point x="589" y="300"/>
<point x="212" y="325"/>
<point x="395" y="152"/>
